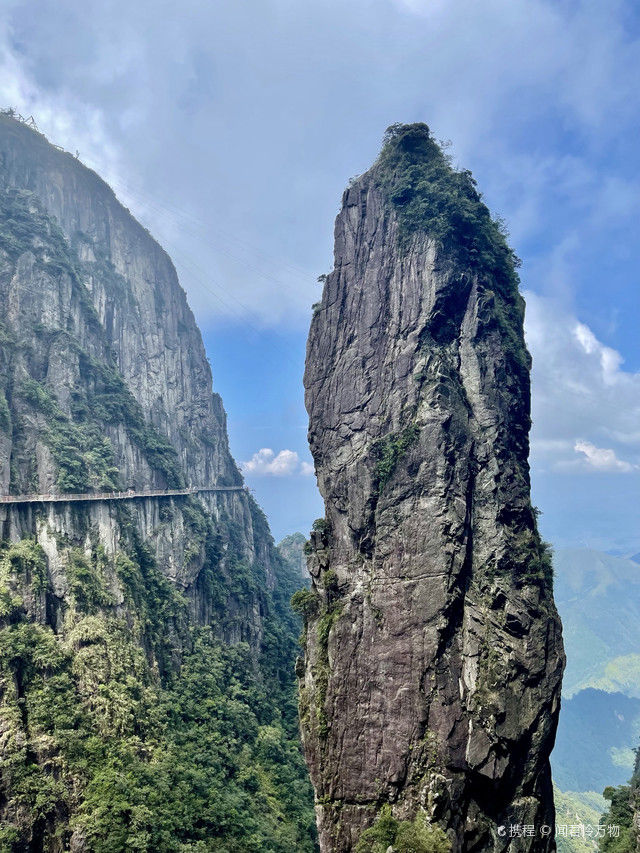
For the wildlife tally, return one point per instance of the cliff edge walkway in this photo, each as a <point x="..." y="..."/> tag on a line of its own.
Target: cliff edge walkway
<point x="128" y="495"/>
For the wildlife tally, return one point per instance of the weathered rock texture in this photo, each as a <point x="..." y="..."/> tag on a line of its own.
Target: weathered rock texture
<point x="103" y="367"/>
<point x="433" y="647"/>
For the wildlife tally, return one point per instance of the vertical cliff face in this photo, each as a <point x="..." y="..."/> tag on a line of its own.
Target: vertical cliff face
<point x="433" y="648"/>
<point x="145" y="645"/>
<point x="105" y="379"/>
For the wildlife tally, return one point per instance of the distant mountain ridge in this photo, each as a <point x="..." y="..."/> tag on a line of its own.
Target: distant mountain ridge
<point x="598" y="598"/>
<point x="594" y="745"/>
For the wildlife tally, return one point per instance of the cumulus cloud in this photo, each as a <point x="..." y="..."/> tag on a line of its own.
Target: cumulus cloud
<point x="601" y="459"/>
<point x="283" y="464"/>
<point x="586" y="407"/>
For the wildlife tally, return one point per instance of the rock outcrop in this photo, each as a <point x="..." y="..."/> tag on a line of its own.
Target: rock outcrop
<point x="292" y="549"/>
<point x="433" y="655"/>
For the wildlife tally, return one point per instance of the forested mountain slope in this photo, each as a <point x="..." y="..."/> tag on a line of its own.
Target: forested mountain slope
<point x="146" y="646"/>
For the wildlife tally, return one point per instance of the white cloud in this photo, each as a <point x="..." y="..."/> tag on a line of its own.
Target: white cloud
<point x="583" y="400"/>
<point x="267" y="463"/>
<point x="66" y="120"/>
<point x="202" y="134"/>
<point x="601" y="459"/>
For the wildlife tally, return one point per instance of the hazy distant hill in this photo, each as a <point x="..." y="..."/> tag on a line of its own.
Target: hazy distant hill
<point x="598" y="597"/>
<point x="573" y="807"/>
<point x="291" y="549"/>
<point x="596" y="733"/>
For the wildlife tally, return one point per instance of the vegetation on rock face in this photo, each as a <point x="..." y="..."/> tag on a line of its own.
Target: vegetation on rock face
<point x="620" y="814"/>
<point x="624" y="813"/>
<point x="406" y="836"/>
<point x="81" y="451"/>
<point x="575" y="808"/>
<point x="305" y="602"/>
<point x="100" y="397"/>
<point x="529" y="559"/>
<point x="389" y="451"/>
<point x="136" y="713"/>
<point x="430" y="196"/>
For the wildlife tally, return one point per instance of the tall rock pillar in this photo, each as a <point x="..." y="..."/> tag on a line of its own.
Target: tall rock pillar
<point x="433" y="655"/>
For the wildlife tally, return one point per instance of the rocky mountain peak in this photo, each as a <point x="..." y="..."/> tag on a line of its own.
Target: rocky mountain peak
<point x="433" y="652"/>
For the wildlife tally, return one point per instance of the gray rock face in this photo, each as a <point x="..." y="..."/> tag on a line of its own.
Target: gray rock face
<point x="291" y="549"/>
<point x="145" y="319"/>
<point x="433" y="648"/>
<point x="95" y="324"/>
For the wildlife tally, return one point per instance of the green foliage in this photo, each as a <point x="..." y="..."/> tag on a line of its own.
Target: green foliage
<point x="86" y="584"/>
<point x="26" y="227"/>
<point x="325" y="624"/>
<point x="415" y="836"/>
<point x="379" y="837"/>
<point x="531" y="558"/>
<point x="330" y="582"/>
<point x="431" y="196"/>
<point x="620" y="813"/>
<point x="573" y="808"/>
<point x="82" y="453"/>
<point x="109" y="400"/>
<point x="305" y="602"/>
<point x="389" y="451"/>
<point x="138" y="747"/>
<point x="222" y="774"/>
<point x="80" y="449"/>
<point x="5" y="414"/>
<point x="21" y="563"/>
<point x="26" y="558"/>
<point x="323" y="628"/>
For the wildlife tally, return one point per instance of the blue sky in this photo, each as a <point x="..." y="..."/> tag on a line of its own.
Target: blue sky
<point x="231" y="129"/>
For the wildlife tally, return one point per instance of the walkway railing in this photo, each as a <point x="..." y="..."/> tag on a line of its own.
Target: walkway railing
<point x="128" y="495"/>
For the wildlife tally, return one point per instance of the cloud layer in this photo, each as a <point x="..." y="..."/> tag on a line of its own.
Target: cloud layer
<point x="232" y="128"/>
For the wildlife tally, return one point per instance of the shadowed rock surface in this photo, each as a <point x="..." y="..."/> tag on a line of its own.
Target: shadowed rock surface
<point x="433" y="655"/>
